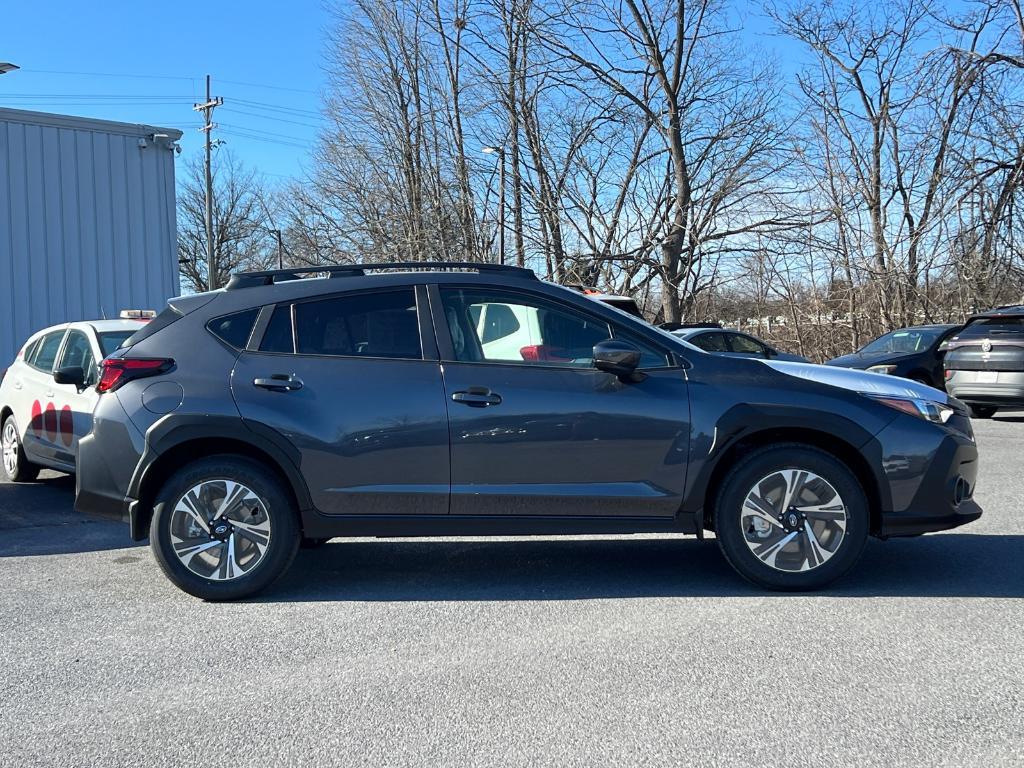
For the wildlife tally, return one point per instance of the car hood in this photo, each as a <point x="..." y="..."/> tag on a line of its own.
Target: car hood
<point x="861" y="360"/>
<point x="860" y="381"/>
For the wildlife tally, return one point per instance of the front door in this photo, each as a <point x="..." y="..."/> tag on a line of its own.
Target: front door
<point x="348" y="385"/>
<point x="539" y="431"/>
<point x="74" y="406"/>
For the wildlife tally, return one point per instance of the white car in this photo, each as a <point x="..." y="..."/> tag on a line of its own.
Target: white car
<point x="42" y="414"/>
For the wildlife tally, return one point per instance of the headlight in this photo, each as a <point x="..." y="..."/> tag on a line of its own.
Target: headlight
<point x="928" y="410"/>
<point x="881" y="369"/>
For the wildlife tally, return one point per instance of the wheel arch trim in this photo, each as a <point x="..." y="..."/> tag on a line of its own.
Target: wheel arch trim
<point x="173" y="436"/>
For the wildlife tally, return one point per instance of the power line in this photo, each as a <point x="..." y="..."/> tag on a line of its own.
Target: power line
<point x="275" y="118"/>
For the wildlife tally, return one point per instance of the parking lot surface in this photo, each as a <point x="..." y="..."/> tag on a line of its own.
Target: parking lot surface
<point x="582" y="651"/>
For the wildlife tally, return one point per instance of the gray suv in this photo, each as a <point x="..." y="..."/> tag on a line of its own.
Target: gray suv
<point x="984" y="362"/>
<point x="465" y="399"/>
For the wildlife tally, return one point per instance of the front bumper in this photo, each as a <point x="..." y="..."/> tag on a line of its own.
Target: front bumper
<point x="929" y="491"/>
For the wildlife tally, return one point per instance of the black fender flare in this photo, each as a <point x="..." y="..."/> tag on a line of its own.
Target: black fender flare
<point x="749" y="420"/>
<point x="176" y="430"/>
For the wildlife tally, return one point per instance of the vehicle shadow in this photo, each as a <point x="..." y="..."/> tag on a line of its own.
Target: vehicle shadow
<point x="39" y="519"/>
<point x="942" y="565"/>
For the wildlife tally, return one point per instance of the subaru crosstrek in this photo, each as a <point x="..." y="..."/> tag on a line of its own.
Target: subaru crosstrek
<point x="381" y="401"/>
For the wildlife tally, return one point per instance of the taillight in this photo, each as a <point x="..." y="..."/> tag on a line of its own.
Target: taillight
<point x="117" y="371"/>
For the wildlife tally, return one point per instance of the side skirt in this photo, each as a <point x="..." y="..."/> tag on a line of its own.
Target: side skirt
<point x="319" y="526"/>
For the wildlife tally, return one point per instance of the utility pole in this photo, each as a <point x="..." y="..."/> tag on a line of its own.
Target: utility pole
<point x="500" y="152"/>
<point x="207" y="110"/>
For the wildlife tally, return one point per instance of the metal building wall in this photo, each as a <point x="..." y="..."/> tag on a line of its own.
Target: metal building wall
<point x="86" y="221"/>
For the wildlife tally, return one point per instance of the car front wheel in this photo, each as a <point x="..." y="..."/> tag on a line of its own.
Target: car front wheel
<point x="224" y="528"/>
<point x="17" y="467"/>
<point x="791" y="517"/>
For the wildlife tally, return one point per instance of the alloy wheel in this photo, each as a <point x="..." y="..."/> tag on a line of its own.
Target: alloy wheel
<point x="220" y="529"/>
<point x="10" y="449"/>
<point x="793" y="520"/>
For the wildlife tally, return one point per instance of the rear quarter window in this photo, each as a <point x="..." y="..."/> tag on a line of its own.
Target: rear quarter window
<point x="234" y="329"/>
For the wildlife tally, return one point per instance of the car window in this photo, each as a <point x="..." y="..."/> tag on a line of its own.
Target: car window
<point x="78" y="352"/>
<point x="234" y="329"/>
<point x="992" y="327"/>
<point x="382" y="324"/>
<point x="709" y="342"/>
<point x="111" y="341"/>
<point x="278" y="336"/>
<point x="45" y="353"/>
<point x="744" y="344"/>
<point x="903" y="340"/>
<point x="544" y="332"/>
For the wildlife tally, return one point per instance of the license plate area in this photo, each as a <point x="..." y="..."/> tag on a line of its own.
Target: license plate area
<point x="988" y="377"/>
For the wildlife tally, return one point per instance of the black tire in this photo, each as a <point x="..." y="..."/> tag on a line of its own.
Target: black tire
<point x="280" y="511"/>
<point x="757" y="466"/>
<point x="982" y="411"/>
<point x="23" y="471"/>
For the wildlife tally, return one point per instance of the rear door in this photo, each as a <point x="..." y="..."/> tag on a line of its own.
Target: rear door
<point x="36" y="410"/>
<point x="540" y="431"/>
<point x="354" y="383"/>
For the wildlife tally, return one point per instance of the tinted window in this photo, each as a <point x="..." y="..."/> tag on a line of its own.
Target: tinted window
<point x="234" y="329"/>
<point x="745" y="344"/>
<point x="111" y="340"/>
<point x="158" y="323"/>
<point x="77" y="352"/>
<point x="709" y="342"/>
<point x="278" y="336"/>
<point x="543" y="333"/>
<point x="45" y="353"/>
<point x="365" y="325"/>
<point x="993" y="326"/>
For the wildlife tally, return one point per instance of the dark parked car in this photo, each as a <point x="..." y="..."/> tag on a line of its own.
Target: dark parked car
<point x="985" y="361"/>
<point x="239" y="422"/>
<point x="734" y="343"/>
<point x="913" y="353"/>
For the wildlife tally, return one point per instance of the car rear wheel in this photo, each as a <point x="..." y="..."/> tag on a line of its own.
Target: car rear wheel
<point x="17" y="467"/>
<point x="982" y="411"/>
<point x="224" y="528"/>
<point x="791" y="517"/>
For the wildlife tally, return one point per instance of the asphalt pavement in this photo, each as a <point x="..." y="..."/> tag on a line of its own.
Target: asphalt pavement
<point x="462" y="652"/>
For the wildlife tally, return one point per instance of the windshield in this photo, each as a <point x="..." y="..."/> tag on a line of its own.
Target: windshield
<point x="111" y="340"/>
<point x="904" y="340"/>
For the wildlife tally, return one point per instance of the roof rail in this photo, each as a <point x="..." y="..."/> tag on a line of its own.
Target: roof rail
<point x="271" y="276"/>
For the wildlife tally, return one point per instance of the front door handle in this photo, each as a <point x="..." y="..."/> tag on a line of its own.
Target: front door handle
<point x="477" y="397"/>
<point x="280" y="382"/>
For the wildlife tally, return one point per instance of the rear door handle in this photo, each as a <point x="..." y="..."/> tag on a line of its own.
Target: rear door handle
<point x="477" y="397"/>
<point x="279" y="382"/>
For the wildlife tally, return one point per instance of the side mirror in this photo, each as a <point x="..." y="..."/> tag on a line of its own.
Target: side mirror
<point x="70" y="374"/>
<point x="619" y="358"/>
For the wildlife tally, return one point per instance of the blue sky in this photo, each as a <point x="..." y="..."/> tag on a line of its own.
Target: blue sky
<point x="254" y="51"/>
<point x="146" y="63"/>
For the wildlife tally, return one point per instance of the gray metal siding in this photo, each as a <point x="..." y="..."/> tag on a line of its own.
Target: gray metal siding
<point x="86" y="222"/>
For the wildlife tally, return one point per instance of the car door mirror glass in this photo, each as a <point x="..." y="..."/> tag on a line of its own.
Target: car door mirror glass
<point x="617" y="357"/>
<point x="70" y="374"/>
